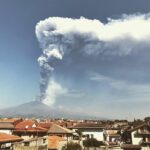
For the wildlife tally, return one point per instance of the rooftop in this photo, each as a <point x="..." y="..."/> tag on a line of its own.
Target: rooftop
<point x="88" y="125"/>
<point x="5" y="125"/>
<point x="4" y="138"/>
<point x="26" y="124"/>
<point x="46" y="125"/>
<point x="56" y="129"/>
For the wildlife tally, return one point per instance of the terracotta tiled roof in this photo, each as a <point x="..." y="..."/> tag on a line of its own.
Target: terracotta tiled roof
<point x="32" y="129"/>
<point x="4" y="125"/>
<point x="4" y="138"/>
<point x="56" y="129"/>
<point x="25" y="124"/>
<point x="46" y="125"/>
<point x="29" y="126"/>
<point x="53" y="142"/>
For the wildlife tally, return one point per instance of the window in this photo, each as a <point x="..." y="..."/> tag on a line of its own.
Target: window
<point x="26" y="144"/>
<point x="44" y="141"/>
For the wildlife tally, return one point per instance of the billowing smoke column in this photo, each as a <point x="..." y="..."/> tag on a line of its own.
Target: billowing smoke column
<point x="60" y="36"/>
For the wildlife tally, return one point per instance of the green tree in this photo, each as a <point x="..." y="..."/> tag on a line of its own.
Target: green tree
<point x="72" y="146"/>
<point x="147" y="119"/>
<point x="80" y="135"/>
<point x="126" y="137"/>
<point x="92" y="143"/>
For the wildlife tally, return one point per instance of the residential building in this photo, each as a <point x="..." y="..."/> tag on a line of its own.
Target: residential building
<point x="7" y="125"/>
<point x="90" y="130"/>
<point x="29" y="129"/>
<point x="7" y="140"/>
<point x="60" y="131"/>
<point x="40" y="143"/>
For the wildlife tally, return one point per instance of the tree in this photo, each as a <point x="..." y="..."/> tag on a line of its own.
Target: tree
<point x="137" y="122"/>
<point x="72" y="146"/>
<point x="147" y="119"/>
<point x="126" y="137"/>
<point x="92" y="143"/>
<point x="80" y="135"/>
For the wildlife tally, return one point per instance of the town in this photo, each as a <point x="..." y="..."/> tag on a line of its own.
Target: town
<point x="66" y="134"/>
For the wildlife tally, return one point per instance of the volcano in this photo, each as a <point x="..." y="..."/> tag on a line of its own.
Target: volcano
<point x="38" y="109"/>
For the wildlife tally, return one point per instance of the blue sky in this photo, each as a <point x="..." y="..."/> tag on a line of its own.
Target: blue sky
<point x="112" y="87"/>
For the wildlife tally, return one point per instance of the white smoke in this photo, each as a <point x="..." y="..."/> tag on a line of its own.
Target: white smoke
<point x="53" y="90"/>
<point x="60" y="36"/>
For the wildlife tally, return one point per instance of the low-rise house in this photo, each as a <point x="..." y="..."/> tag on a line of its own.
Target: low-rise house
<point x="90" y="130"/>
<point x="29" y="129"/>
<point x="7" y="140"/>
<point x="32" y="144"/>
<point x="7" y="125"/>
<point x="60" y="131"/>
<point x="13" y="121"/>
<point x="140" y="135"/>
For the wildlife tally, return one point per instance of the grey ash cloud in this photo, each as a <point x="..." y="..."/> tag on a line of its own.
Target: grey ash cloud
<point x="71" y="48"/>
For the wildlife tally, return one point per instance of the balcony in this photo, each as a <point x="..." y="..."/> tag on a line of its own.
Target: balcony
<point x="145" y="142"/>
<point x="142" y="134"/>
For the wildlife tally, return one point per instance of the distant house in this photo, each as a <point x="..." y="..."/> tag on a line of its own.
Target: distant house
<point x="90" y="130"/>
<point x="32" y="144"/>
<point x="13" y="121"/>
<point x="7" y="140"/>
<point x="120" y="124"/>
<point x="28" y="129"/>
<point x="45" y="125"/>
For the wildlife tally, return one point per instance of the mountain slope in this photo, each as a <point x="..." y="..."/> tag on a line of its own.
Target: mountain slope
<point x="39" y="110"/>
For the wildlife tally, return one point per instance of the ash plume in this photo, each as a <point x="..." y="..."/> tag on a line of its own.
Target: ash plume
<point x="58" y="37"/>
